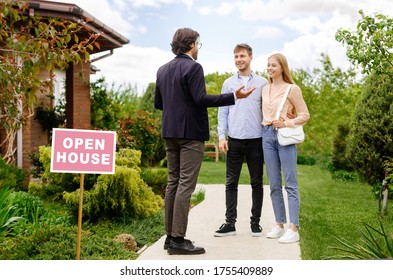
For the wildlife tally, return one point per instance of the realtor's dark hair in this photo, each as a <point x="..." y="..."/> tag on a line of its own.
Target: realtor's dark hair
<point x="183" y="39"/>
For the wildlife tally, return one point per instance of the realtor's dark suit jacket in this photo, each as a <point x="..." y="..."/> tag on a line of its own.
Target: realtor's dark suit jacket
<point x="181" y="94"/>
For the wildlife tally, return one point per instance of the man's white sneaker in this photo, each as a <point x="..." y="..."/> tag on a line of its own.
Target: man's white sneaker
<point x="275" y="232"/>
<point x="290" y="236"/>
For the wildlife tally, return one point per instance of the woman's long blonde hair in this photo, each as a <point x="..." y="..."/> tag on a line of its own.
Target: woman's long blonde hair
<point x="286" y="74"/>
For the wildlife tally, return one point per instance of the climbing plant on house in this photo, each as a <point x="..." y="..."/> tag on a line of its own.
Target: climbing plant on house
<point x="29" y="44"/>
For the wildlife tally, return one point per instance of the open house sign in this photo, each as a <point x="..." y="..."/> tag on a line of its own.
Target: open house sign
<point x="83" y="151"/>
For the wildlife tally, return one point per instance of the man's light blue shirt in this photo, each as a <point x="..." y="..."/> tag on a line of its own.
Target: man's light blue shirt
<point x="243" y="119"/>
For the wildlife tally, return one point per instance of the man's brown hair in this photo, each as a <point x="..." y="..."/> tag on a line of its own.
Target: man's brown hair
<point x="183" y="39"/>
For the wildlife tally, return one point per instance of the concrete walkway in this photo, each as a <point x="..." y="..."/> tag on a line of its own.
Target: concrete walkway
<point x="207" y="217"/>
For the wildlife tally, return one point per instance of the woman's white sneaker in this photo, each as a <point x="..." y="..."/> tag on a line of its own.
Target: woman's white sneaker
<point x="290" y="236"/>
<point x="275" y="232"/>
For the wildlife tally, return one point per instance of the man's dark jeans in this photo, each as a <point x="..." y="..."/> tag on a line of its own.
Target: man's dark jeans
<point x="251" y="151"/>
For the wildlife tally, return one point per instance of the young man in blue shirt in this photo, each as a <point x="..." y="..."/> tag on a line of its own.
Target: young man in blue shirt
<point x="241" y="122"/>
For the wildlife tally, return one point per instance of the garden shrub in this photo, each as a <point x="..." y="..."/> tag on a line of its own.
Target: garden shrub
<point x="141" y="133"/>
<point x="370" y="141"/>
<point x="28" y="206"/>
<point x="129" y="158"/>
<point x="50" y="118"/>
<point x="388" y="166"/>
<point x="339" y="158"/>
<point x="121" y="194"/>
<point x="38" y="167"/>
<point x="104" y="108"/>
<point x="156" y="178"/>
<point x="164" y="163"/>
<point x="207" y="158"/>
<point x="58" y="243"/>
<point x="8" y="211"/>
<point x="53" y="184"/>
<point x="26" y="246"/>
<point x="343" y="175"/>
<point x="306" y="160"/>
<point x="11" y="176"/>
<point x="46" y="190"/>
<point x="147" y="104"/>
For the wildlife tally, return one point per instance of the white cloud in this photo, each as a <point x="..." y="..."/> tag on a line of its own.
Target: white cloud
<point x="111" y="17"/>
<point x="268" y="32"/>
<point x="156" y="3"/>
<point x="303" y="25"/>
<point x="305" y="52"/>
<point x="133" y="65"/>
<point x="120" y="4"/>
<point x="205" y="10"/>
<point x="141" y="28"/>
<point x="225" y="9"/>
<point x="258" y="10"/>
<point x="148" y="3"/>
<point x="322" y="8"/>
<point x="188" y="3"/>
<point x="279" y="9"/>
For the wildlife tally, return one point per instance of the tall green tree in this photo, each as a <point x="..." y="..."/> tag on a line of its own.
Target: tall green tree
<point x="127" y="96"/>
<point x="141" y="132"/>
<point x="370" y="139"/>
<point x="371" y="45"/>
<point x="147" y="104"/>
<point x="331" y="95"/>
<point x="147" y="101"/>
<point x="104" y="109"/>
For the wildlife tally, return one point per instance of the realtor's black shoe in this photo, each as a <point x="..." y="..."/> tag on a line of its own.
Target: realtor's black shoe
<point x="167" y="241"/>
<point x="184" y="248"/>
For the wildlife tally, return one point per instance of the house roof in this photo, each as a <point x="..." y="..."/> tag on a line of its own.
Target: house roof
<point x="109" y="40"/>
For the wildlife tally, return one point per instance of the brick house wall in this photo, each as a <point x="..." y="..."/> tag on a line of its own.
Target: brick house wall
<point x="78" y="96"/>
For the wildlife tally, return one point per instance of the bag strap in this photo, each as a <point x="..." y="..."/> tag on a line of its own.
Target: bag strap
<point x="283" y="101"/>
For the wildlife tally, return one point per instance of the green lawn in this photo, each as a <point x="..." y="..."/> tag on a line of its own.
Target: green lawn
<point x="328" y="209"/>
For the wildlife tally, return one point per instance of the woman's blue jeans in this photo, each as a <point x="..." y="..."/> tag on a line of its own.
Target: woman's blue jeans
<point x="279" y="157"/>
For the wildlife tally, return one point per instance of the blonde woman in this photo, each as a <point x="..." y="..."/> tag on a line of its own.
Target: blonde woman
<point x="279" y="157"/>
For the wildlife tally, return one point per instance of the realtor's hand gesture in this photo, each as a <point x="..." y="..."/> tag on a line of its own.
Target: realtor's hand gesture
<point x="243" y="94"/>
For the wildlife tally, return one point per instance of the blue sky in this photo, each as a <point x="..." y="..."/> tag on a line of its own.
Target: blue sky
<point x="300" y="29"/>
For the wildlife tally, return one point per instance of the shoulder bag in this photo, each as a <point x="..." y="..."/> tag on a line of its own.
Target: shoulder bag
<point x="288" y="135"/>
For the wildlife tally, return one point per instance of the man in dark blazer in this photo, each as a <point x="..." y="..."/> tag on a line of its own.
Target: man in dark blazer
<point x="181" y="94"/>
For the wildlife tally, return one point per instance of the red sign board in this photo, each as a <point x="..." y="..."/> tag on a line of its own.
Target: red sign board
<point x="83" y="151"/>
